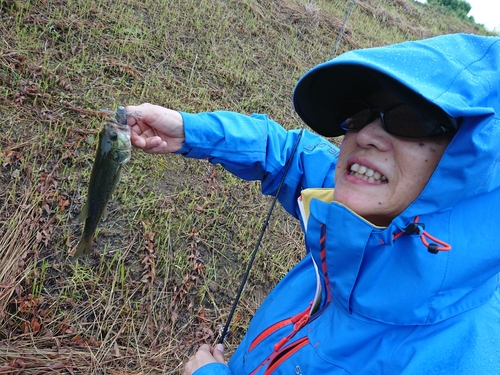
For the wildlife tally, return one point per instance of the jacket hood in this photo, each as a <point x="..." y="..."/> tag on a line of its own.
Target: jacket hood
<point x="451" y="75"/>
<point x="458" y="75"/>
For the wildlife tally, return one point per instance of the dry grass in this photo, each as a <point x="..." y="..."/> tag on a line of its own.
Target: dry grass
<point x="179" y="232"/>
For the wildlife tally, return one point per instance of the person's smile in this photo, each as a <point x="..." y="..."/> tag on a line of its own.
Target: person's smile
<point x="378" y="174"/>
<point x="367" y="174"/>
<point x="366" y="171"/>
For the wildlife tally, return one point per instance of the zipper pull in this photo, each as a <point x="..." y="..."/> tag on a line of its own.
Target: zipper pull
<point x="301" y="323"/>
<point x="280" y="344"/>
<point x="296" y="327"/>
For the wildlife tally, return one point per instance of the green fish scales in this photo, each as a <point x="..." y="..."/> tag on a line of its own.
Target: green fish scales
<point x="113" y="151"/>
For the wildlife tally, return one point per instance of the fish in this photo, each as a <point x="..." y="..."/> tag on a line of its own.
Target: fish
<point x="113" y="151"/>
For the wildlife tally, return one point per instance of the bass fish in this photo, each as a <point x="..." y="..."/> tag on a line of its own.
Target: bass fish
<point x="113" y="152"/>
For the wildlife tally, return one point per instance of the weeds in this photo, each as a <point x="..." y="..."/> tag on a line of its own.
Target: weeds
<point x="179" y="232"/>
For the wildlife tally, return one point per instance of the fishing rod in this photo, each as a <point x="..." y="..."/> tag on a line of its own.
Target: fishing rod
<point x="225" y="330"/>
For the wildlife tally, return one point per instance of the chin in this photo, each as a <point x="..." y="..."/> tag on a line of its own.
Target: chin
<point x="362" y="207"/>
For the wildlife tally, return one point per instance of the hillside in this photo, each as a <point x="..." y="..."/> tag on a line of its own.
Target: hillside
<point x="179" y="232"/>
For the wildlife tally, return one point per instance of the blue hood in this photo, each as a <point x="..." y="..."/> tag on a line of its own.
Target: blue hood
<point x="458" y="76"/>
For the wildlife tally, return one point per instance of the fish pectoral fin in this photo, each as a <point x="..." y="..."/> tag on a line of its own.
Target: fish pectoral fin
<point x="84" y="213"/>
<point x="118" y="175"/>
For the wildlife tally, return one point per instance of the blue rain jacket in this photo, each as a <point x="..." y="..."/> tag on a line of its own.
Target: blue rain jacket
<point x="383" y="304"/>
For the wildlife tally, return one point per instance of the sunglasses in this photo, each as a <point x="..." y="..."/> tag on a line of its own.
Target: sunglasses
<point x="400" y="119"/>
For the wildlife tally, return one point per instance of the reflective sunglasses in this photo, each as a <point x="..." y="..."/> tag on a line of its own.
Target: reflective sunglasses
<point x="400" y="119"/>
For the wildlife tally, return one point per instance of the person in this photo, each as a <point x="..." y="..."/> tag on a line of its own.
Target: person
<point x="401" y="271"/>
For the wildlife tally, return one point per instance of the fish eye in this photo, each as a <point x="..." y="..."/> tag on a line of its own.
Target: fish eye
<point x="113" y="136"/>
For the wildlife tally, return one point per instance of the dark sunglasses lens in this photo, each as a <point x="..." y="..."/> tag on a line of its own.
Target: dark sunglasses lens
<point x="405" y="122"/>
<point x="352" y="114"/>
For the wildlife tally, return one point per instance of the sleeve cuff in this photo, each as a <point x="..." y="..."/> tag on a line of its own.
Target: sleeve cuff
<point x="214" y="368"/>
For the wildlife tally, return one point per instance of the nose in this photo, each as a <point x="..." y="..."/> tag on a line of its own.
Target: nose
<point x="374" y="135"/>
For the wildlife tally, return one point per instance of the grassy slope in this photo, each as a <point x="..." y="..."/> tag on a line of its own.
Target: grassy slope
<point x="179" y="232"/>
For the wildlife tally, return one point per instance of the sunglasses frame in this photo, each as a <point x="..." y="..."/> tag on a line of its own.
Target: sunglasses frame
<point x="439" y="128"/>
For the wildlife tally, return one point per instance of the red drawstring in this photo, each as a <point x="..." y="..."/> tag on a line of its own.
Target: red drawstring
<point x="419" y="229"/>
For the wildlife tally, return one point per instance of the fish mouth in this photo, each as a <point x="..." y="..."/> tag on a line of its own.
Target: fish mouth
<point x="121" y="127"/>
<point x="111" y="123"/>
<point x="367" y="174"/>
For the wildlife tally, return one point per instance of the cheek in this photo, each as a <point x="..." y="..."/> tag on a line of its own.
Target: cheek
<point x="339" y="169"/>
<point x="433" y="153"/>
<point x="348" y="144"/>
<point x="345" y="148"/>
<point x="423" y="160"/>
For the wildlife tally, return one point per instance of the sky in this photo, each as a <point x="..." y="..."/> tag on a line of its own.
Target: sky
<point x="485" y="12"/>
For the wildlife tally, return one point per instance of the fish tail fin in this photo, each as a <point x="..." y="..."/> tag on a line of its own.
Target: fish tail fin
<point x="84" y="247"/>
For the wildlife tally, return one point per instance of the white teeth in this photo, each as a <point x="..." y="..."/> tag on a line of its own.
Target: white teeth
<point x="367" y="174"/>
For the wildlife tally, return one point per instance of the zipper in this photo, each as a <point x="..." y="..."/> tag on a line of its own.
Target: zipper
<point x="277" y="358"/>
<point x="281" y="352"/>
<point x="286" y="353"/>
<point x="298" y="321"/>
<point x="283" y="323"/>
<point x="296" y="327"/>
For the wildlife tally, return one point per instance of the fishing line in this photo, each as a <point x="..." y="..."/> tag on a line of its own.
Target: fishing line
<point x="275" y="199"/>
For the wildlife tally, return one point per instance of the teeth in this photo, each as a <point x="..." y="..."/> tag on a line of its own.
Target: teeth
<point x="367" y="174"/>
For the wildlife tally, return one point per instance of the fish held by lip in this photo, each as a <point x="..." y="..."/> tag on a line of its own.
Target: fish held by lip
<point x="113" y="151"/>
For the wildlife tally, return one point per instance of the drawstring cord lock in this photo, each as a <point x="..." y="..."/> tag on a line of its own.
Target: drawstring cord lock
<point x="415" y="228"/>
<point x="433" y="248"/>
<point x="419" y="229"/>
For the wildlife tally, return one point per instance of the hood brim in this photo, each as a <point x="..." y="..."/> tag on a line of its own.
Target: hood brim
<point x="318" y="93"/>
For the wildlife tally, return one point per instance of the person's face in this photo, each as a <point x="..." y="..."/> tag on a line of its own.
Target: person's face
<point x="378" y="175"/>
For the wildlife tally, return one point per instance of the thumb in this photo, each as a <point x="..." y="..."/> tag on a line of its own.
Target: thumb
<point x="219" y="353"/>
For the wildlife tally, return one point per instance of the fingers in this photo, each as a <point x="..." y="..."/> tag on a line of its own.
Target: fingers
<point x="204" y="356"/>
<point x="155" y="129"/>
<point x="153" y="145"/>
<point x="137" y="141"/>
<point x="145" y="112"/>
<point x="218" y="353"/>
<point x="143" y="135"/>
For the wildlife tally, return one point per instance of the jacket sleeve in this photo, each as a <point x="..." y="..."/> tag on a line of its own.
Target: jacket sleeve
<point x="257" y="148"/>
<point x="214" y="368"/>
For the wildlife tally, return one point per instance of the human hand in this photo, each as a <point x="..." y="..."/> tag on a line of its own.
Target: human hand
<point x="155" y="129"/>
<point x="204" y="356"/>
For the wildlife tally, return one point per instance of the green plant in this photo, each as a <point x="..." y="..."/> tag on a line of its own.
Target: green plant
<point x="178" y="234"/>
